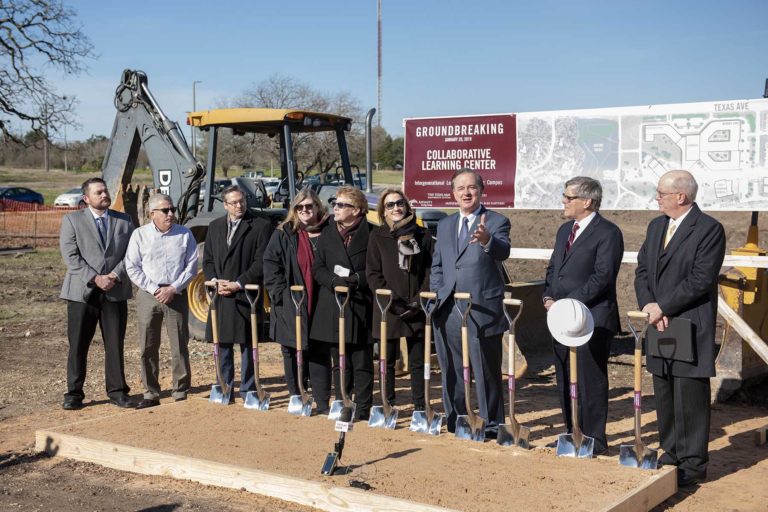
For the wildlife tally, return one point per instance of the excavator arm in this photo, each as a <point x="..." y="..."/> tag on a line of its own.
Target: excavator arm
<point x="141" y="122"/>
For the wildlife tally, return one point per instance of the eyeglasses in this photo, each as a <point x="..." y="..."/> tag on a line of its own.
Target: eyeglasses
<point x="235" y="203"/>
<point x="659" y="193"/>
<point x="400" y="203"/>
<point x="341" y="206"/>
<point x="570" y="198"/>
<point x="304" y="207"/>
<point x="165" y="211"/>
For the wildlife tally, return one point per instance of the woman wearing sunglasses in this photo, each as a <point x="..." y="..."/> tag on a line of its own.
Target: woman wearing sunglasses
<point x="288" y="261"/>
<point x="399" y="259"/>
<point x="340" y="261"/>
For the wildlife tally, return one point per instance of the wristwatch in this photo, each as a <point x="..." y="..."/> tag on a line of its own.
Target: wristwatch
<point x="546" y="299"/>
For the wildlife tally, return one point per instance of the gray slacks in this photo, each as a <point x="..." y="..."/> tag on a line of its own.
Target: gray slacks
<point x="150" y="314"/>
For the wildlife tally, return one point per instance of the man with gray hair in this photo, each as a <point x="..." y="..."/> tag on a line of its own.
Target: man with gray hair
<point x="676" y="278"/>
<point x="584" y="265"/>
<point x="162" y="260"/>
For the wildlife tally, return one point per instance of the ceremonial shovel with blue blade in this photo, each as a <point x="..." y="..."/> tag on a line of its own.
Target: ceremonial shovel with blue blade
<point x="259" y="399"/>
<point x="301" y="404"/>
<point x="514" y="433"/>
<point x="221" y="392"/>
<point x="469" y="426"/>
<point x="427" y="421"/>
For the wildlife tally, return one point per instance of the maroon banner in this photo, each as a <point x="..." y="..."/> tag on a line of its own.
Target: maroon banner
<point x="436" y="148"/>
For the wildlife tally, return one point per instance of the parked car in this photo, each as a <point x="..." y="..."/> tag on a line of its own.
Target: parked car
<point x="21" y="194"/>
<point x="70" y="199"/>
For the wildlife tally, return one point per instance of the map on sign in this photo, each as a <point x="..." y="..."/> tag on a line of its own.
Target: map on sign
<point x="724" y="144"/>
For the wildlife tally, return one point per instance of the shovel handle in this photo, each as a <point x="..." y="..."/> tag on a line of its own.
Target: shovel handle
<point x="638" y="370"/>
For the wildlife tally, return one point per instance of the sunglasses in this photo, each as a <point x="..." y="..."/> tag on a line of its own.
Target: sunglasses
<point x="304" y="207"/>
<point x="165" y="211"/>
<point x="571" y="198"/>
<point x="400" y="203"/>
<point x="341" y="206"/>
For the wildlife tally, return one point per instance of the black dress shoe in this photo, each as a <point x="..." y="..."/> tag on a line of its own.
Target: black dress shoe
<point x="492" y="432"/>
<point x="553" y="444"/>
<point x="72" y="404"/>
<point x="147" y="403"/>
<point x="180" y="398"/>
<point x="688" y="480"/>
<point x="600" y="452"/>
<point x="122" y="401"/>
<point x="667" y="460"/>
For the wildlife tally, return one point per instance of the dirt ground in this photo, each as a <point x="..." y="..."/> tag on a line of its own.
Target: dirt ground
<point x="33" y="350"/>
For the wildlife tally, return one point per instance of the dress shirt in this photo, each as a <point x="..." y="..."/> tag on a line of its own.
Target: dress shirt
<point x="583" y="223"/>
<point x="676" y="222"/>
<point x="154" y="258"/>
<point x="105" y="217"/>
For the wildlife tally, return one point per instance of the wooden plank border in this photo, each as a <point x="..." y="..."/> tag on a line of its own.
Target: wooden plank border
<point x="151" y="462"/>
<point x="319" y="495"/>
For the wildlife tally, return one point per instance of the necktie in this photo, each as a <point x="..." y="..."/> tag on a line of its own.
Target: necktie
<point x="572" y="237"/>
<point x="464" y="233"/>
<point x="232" y="229"/>
<point x="100" y="229"/>
<point x="670" y="231"/>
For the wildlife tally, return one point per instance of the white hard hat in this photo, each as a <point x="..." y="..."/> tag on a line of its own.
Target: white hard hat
<point x="570" y="322"/>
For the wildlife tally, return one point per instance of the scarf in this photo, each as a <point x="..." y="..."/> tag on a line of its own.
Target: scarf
<point x="407" y="246"/>
<point x="305" y="257"/>
<point x="348" y="232"/>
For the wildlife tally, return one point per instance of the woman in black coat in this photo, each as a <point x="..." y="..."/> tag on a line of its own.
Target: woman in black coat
<point x="288" y="261"/>
<point x="399" y="259"/>
<point x="340" y="261"/>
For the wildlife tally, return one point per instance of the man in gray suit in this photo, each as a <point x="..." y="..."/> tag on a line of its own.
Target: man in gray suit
<point x="468" y="257"/>
<point x="93" y="242"/>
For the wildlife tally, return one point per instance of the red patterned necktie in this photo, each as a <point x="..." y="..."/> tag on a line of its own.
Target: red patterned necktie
<point x="572" y="237"/>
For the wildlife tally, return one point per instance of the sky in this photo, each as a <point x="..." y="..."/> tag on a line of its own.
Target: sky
<point x="440" y="58"/>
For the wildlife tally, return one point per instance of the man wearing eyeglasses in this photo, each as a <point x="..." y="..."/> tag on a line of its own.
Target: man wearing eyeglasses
<point x="584" y="265"/>
<point x="162" y="260"/>
<point x="233" y="253"/>
<point x="676" y="278"/>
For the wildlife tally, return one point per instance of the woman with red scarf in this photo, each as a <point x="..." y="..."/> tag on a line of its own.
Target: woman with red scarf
<point x="288" y="261"/>
<point x="340" y="261"/>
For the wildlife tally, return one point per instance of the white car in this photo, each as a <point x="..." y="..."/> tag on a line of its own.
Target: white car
<point x="70" y="199"/>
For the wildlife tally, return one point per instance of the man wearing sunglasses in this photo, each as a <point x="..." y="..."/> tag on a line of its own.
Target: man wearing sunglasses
<point x="162" y="260"/>
<point x="234" y="249"/>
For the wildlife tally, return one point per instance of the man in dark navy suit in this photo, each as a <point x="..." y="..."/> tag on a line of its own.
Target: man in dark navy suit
<point x="677" y="272"/>
<point x="584" y="265"/>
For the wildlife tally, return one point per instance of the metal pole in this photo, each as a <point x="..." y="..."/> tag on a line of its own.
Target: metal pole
<point x="65" y="147"/>
<point x="194" y="108"/>
<point x="46" y="157"/>
<point x="378" y="118"/>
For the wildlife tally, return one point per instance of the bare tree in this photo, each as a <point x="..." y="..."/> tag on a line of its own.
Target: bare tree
<point x="36" y="35"/>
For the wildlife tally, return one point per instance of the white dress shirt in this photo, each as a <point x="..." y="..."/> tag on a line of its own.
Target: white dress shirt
<point x="154" y="258"/>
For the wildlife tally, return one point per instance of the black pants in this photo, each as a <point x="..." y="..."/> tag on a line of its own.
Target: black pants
<point x="415" y="367"/>
<point x="358" y="376"/>
<point x="227" y="356"/>
<point x="592" y="379"/>
<point x="290" y="366"/>
<point x="82" y="318"/>
<point x="683" y="410"/>
<point x="319" y="356"/>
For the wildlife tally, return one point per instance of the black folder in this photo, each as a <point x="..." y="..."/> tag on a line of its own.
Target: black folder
<point x="676" y="342"/>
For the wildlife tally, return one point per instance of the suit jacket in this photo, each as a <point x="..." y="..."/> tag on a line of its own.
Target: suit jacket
<point x="588" y="272"/>
<point x="383" y="271"/>
<point x="85" y="257"/>
<point x="682" y="279"/>
<point x="241" y="261"/>
<point x="331" y="252"/>
<point x="473" y="270"/>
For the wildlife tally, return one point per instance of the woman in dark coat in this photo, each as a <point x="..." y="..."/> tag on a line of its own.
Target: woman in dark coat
<point x="399" y="259"/>
<point x="288" y="261"/>
<point x="340" y="261"/>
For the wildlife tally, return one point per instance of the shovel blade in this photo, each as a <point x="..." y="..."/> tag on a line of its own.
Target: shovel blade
<point x="218" y="396"/>
<point x="567" y="446"/>
<point x="506" y="436"/>
<point x="337" y="406"/>
<point x="300" y="407"/>
<point x="252" y="401"/>
<point x="465" y="429"/>
<point x="377" y="418"/>
<point x="419" y="422"/>
<point x="644" y="459"/>
<point x="523" y="436"/>
<point x="436" y="425"/>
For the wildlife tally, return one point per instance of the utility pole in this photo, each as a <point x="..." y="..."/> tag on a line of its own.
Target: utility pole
<point x="46" y="155"/>
<point x="65" y="141"/>
<point x="194" y="108"/>
<point x="378" y="118"/>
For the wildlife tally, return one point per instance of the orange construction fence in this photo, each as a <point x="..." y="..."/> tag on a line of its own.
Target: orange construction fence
<point x="29" y="223"/>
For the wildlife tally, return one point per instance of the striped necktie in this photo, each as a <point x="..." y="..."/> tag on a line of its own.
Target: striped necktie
<point x="572" y="237"/>
<point x="100" y="228"/>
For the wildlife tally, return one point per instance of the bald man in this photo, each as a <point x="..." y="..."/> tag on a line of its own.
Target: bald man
<point x="677" y="271"/>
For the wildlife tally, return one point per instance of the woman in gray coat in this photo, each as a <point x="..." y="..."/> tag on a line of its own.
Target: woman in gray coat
<point x="288" y="261"/>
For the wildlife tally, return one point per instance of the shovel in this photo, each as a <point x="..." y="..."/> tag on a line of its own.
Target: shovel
<point x="338" y="405"/>
<point x="576" y="444"/>
<point x="383" y="416"/>
<point x="258" y="399"/>
<point x="301" y="404"/>
<point x="638" y="455"/>
<point x="514" y="433"/>
<point x="470" y="426"/>
<point x="427" y="421"/>
<point x="220" y="393"/>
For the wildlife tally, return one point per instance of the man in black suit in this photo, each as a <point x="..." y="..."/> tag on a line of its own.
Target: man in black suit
<point x="584" y="265"/>
<point x="233" y="253"/>
<point x="677" y="272"/>
<point x="96" y="287"/>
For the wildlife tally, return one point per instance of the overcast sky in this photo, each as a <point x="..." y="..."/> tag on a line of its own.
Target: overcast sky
<point x="440" y="57"/>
